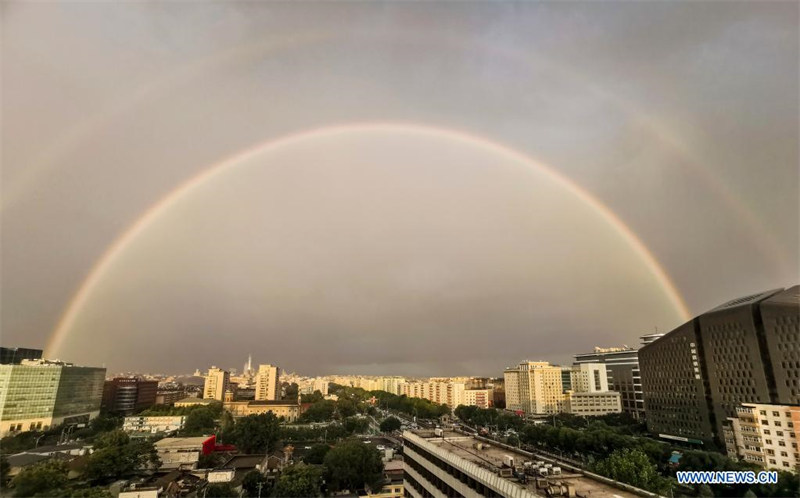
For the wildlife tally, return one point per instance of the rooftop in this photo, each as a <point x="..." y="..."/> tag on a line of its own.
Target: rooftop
<point x="179" y="442"/>
<point x="490" y="457"/>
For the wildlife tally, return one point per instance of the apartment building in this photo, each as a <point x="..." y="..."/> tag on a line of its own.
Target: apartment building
<point x="482" y="398"/>
<point x="268" y="385"/>
<point x="535" y="388"/>
<point x="766" y="435"/>
<point x="217" y="383"/>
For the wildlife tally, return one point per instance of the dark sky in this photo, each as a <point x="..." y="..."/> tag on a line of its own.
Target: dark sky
<point x="463" y="186"/>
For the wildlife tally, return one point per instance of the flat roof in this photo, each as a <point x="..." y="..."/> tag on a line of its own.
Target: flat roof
<point x="197" y="401"/>
<point x="169" y="442"/>
<point x="490" y="457"/>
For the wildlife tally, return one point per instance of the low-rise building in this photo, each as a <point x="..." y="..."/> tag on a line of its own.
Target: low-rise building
<point x="290" y="411"/>
<point x="766" y="435"/>
<point x="153" y="424"/>
<point x="593" y="404"/>
<point x="190" y="402"/>
<point x="169" y="397"/>
<point x="183" y="453"/>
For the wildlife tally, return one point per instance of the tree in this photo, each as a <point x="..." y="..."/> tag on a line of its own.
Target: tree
<point x="314" y="397"/>
<point x="257" y="433"/>
<point x="220" y="490"/>
<point x="299" y="481"/>
<point x="316" y="454"/>
<point x="116" y="455"/>
<point x="633" y="467"/>
<point x="319" y="412"/>
<point x="346" y="408"/>
<point x="353" y="464"/>
<point x="48" y="478"/>
<point x="391" y="424"/>
<point x="4" y="468"/>
<point x="199" y="422"/>
<point x="255" y="484"/>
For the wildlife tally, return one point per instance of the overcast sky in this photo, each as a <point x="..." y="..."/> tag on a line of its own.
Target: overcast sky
<point x="446" y="215"/>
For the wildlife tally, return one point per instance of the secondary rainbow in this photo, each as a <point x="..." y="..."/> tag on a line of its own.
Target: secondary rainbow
<point x="107" y="260"/>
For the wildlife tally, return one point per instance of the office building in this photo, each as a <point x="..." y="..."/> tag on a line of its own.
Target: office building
<point x="766" y="435"/>
<point x="453" y="464"/>
<point x="41" y="394"/>
<point x="534" y="388"/>
<point x="695" y="377"/>
<point x="14" y="356"/>
<point x="127" y="395"/>
<point x="592" y="403"/>
<point x="217" y="384"/>
<point x="268" y="385"/>
<point x="622" y="368"/>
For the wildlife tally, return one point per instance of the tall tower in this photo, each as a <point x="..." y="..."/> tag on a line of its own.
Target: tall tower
<point x="217" y="382"/>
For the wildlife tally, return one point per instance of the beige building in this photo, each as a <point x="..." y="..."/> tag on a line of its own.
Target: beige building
<point x="593" y="404"/>
<point x="268" y="385"/>
<point x="217" y="383"/>
<point x="289" y="411"/>
<point x="438" y="391"/>
<point x="153" y="424"/>
<point x="482" y="398"/>
<point x="534" y="387"/>
<point x="589" y="378"/>
<point x="766" y="435"/>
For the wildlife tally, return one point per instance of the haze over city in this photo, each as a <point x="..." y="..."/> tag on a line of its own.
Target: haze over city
<point x="389" y="188"/>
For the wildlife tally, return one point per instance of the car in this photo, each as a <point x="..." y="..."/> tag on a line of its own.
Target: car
<point x="381" y="447"/>
<point x="367" y="441"/>
<point x="308" y="447"/>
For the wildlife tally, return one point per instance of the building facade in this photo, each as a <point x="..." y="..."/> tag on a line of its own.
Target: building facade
<point x="697" y="376"/>
<point x="534" y="387"/>
<point x="14" y="356"/>
<point x="622" y="368"/>
<point x="592" y="404"/>
<point x="482" y="398"/>
<point x="127" y="395"/>
<point x="268" y="384"/>
<point x="289" y="411"/>
<point x="766" y="435"/>
<point x="217" y="383"/>
<point x="153" y="424"/>
<point x="41" y="394"/>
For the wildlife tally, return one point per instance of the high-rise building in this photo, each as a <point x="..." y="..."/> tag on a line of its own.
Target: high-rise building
<point x="41" y="394"/>
<point x="14" y="356"/>
<point x="766" y="435"/>
<point x="588" y="394"/>
<point x="126" y="395"/>
<point x="744" y="351"/>
<point x="622" y="368"/>
<point x="217" y="384"/>
<point x="268" y="386"/>
<point x="534" y="387"/>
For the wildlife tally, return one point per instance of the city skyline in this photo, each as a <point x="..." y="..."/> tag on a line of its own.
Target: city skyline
<point x="421" y="189"/>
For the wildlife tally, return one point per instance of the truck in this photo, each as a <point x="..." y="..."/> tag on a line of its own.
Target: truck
<point x="508" y="461"/>
<point x="438" y="432"/>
